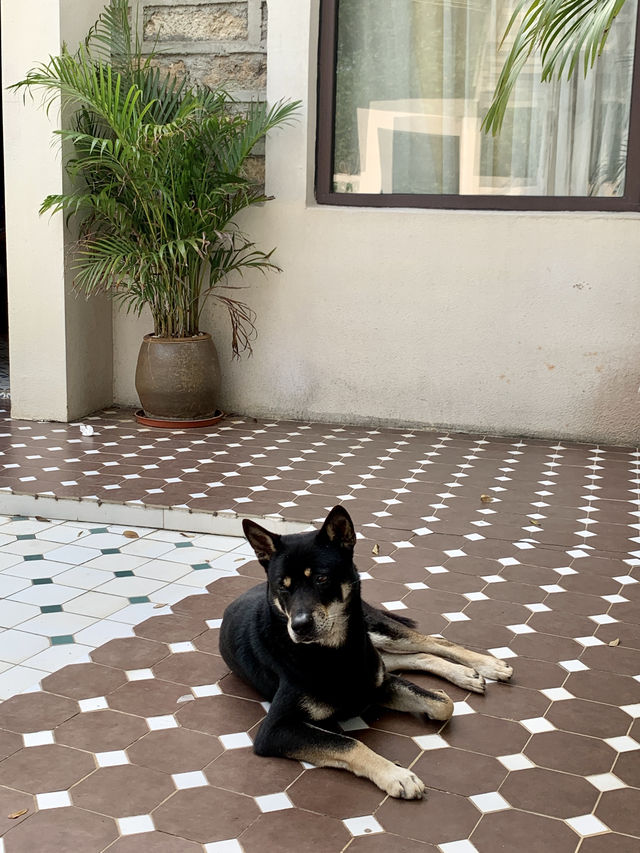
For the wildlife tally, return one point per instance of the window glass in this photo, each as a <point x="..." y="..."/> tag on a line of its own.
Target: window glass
<point x="414" y="79"/>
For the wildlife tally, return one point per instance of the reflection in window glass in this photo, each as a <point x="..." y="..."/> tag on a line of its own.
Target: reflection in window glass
<point x="414" y="79"/>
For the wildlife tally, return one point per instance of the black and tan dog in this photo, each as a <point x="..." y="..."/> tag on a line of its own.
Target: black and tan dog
<point x="307" y="642"/>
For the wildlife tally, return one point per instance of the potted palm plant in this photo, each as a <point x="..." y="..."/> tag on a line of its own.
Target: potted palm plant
<point x="158" y="178"/>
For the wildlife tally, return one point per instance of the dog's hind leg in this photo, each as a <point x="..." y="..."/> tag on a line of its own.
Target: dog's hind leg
<point x="288" y="736"/>
<point x="463" y="676"/>
<point x="389" y="635"/>
<point x="401" y="695"/>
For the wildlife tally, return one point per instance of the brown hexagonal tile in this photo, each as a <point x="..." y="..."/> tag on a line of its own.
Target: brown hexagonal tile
<point x="172" y="628"/>
<point x="383" y="842"/>
<point x="13" y="802"/>
<point x="612" y="659"/>
<point x="123" y="790"/>
<point x="439" y="818"/>
<point x="220" y="715"/>
<point x="38" y="769"/>
<point x="510" y="702"/>
<point x="175" y="750"/>
<point x="232" y="685"/>
<point x="9" y="743"/>
<point x="191" y="668"/>
<point x="130" y="653"/>
<point x="610" y="842"/>
<point x="35" y="712"/>
<point x="149" y="698"/>
<point x="606" y="687"/>
<point x="154" y="842"/>
<point x="572" y="753"/>
<point x="55" y="830"/>
<point x="620" y="810"/>
<point x="549" y="792"/>
<point x="489" y="735"/>
<point x="588" y="718"/>
<point x="283" y="831"/>
<point x="537" y="674"/>
<point x="243" y="771"/>
<point x="397" y="748"/>
<point x="84" y="680"/>
<point x="627" y="768"/>
<point x="516" y="830"/>
<point x="208" y="641"/>
<point x="460" y="772"/>
<point x="335" y="793"/>
<point x="200" y="607"/>
<point x="545" y="647"/>
<point x="206" y="814"/>
<point x="101" y="731"/>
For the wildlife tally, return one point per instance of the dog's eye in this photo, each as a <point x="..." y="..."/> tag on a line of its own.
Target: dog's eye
<point x="322" y="579"/>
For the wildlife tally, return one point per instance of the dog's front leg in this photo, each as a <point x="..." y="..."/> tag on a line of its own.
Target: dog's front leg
<point x="401" y="695"/>
<point x="288" y="735"/>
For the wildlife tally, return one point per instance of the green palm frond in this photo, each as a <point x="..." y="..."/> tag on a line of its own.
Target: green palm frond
<point x="567" y="34"/>
<point x="158" y="167"/>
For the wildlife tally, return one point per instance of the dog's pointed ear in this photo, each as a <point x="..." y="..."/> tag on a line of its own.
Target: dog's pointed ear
<point x="263" y="542"/>
<point x="338" y="528"/>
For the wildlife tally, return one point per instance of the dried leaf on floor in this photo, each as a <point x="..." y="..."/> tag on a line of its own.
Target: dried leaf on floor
<point x="156" y="606"/>
<point x="188" y="535"/>
<point x="376" y="549"/>
<point x="486" y="499"/>
<point x="14" y="815"/>
<point x="533" y="521"/>
<point x="615" y="642"/>
<point x="131" y="534"/>
<point x="45" y="520"/>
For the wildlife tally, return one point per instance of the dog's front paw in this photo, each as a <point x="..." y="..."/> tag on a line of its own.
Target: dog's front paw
<point x="402" y="783"/>
<point x="471" y="679"/>
<point x="491" y="667"/>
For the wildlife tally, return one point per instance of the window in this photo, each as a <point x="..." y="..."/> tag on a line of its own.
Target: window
<point x="404" y="86"/>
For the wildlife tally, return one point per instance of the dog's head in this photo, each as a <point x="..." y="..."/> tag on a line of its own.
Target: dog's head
<point x="311" y="576"/>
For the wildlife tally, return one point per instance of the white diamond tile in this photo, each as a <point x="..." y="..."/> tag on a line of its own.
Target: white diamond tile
<point x="135" y="825"/>
<point x="491" y="802"/>
<point x="538" y="724"/>
<point x="273" y="802"/>
<point x="587" y="825"/>
<point x="429" y="742"/>
<point x="194" y="779"/>
<point x="606" y="782"/>
<point x="53" y="800"/>
<point x="38" y="738"/>
<point x="114" y="758"/>
<point x="366" y="825"/>
<point x="237" y="740"/>
<point x="516" y="761"/>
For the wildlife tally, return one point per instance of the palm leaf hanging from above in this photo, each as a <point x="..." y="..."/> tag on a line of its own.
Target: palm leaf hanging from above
<point x="568" y="34"/>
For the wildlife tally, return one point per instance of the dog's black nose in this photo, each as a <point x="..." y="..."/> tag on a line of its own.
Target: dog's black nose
<point x="302" y="623"/>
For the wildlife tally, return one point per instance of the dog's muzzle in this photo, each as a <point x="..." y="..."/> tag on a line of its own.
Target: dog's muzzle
<point x="302" y="626"/>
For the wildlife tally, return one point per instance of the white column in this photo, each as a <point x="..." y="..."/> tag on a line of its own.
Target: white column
<point x="60" y="344"/>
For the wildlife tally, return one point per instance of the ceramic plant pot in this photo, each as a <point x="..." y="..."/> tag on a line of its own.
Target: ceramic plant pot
<point x="178" y="379"/>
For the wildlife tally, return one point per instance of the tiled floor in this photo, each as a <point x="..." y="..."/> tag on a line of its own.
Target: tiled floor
<point x="68" y="587"/>
<point x="529" y="548"/>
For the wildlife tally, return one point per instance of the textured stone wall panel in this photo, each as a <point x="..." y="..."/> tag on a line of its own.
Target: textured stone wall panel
<point x="205" y="22"/>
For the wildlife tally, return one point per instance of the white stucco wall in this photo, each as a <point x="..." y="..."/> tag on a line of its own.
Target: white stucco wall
<point x="60" y="345"/>
<point x="517" y="323"/>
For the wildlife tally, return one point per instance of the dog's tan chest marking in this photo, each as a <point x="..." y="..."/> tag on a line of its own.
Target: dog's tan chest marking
<point x="286" y="582"/>
<point x="307" y="573"/>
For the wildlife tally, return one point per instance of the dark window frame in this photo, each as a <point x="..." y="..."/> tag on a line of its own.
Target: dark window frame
<point x="327" y="48"/>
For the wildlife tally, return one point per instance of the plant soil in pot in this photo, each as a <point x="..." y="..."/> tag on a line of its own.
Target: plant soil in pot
<point x="178" y="379"/>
